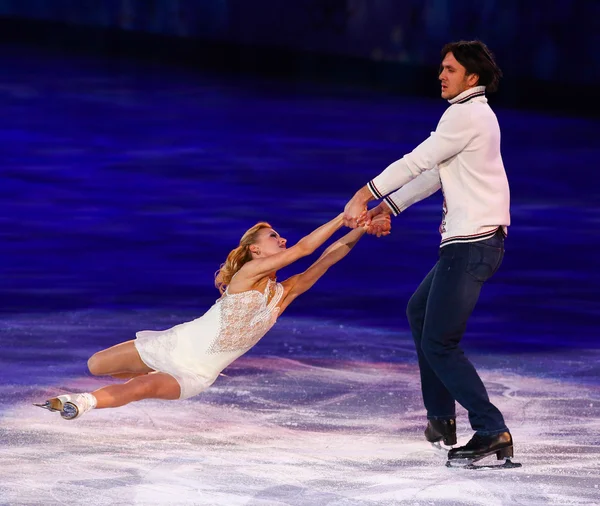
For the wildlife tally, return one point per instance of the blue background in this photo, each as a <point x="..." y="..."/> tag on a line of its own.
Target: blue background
<point x="126" y="181"/>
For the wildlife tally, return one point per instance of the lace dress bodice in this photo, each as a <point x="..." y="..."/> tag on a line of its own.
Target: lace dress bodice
<point x="195" y="352"/>
<point x="246" y="317"/>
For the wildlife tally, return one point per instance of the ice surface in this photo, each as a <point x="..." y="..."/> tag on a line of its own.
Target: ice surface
<point x="299" y="429"/>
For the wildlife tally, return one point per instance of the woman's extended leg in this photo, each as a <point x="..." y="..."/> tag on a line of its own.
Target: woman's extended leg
<point x="157" y="385"/>
<point x="128" y="375"/>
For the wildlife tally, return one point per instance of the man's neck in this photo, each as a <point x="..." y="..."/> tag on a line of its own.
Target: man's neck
<point x="468" y="94"/>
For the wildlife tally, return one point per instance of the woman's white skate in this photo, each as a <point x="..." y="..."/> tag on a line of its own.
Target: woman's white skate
<point x="70" y="406"/>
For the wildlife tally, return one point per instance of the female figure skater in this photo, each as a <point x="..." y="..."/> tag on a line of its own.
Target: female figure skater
<point x="181" y="362"/>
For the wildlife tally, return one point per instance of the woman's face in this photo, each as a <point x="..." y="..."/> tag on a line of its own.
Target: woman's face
<point x="268" y="242"/>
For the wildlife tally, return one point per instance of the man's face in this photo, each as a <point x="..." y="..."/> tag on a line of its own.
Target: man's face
<point x="454" y="77"/>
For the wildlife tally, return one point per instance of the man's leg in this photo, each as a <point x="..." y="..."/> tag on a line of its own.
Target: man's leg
<point x="436" y="397"/>
<point x="455" y="287"/>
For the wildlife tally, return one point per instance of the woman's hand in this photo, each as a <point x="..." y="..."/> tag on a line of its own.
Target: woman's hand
<point x="378" y="221"/>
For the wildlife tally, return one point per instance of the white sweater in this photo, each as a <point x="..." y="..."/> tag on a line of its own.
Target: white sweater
<point x="462" y="157"/>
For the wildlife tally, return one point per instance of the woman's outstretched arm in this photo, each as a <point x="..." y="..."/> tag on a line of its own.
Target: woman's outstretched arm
<point x="260" y="267"/>
<point x="297" y="285"/>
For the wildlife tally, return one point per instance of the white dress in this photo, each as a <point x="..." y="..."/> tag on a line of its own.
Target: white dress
<point x="195" y="352"/>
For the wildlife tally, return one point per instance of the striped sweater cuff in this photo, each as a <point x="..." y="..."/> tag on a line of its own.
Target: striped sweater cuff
<point x="374" y="191"/>
<point x="392" y="205"/>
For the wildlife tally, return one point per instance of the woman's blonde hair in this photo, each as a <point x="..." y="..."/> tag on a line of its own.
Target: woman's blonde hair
<point x="238" y="257"/>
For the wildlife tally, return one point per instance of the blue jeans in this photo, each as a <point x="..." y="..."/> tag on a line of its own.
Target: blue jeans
<point x="438" y="312"/>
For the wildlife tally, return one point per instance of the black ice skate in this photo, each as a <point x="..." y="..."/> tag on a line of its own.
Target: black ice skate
<point x="441" y="430"/>
<point x="480" y="447"/>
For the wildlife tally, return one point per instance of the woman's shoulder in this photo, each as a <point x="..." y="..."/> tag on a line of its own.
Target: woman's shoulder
<point x="240" y="282"/>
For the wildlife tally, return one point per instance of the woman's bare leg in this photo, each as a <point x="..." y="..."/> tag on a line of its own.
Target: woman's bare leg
<point x="119" y="359"/>
<point x="128" y="375"/>
<point x="157" y="385"/>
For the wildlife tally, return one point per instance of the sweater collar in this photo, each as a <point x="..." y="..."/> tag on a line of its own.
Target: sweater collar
<point x="465" y="96"/>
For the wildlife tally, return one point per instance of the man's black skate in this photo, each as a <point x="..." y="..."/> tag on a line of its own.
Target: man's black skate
<point x="438" y="430"/>
<point x="480" y="447"/>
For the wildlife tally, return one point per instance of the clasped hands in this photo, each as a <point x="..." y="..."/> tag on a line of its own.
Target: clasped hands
<point x="377" y="220"/>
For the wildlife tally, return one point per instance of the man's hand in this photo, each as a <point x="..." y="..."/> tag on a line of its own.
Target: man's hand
<point x="378" y="220"/>
<point x="355" y="211"/>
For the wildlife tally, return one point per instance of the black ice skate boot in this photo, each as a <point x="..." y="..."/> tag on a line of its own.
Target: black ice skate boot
<point x="480" y="447"/>
<point x="438" y="430"/>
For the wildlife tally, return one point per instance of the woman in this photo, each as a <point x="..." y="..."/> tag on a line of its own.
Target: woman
<point x="181" y="362"/>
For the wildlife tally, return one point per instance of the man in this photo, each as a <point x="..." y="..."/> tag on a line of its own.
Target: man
<point x="462" y="157"/>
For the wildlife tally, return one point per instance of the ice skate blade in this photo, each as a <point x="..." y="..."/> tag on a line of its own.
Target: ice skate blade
<point x="54" y="404"/>
<point x="438" y="446"/>
<point x="469" y="464"/>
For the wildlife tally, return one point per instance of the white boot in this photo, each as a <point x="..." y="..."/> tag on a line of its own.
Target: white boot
<point x="71" y="406"/>
<point x="77" y="405"/>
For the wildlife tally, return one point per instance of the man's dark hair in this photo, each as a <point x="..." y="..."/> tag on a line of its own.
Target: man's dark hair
<point x="475" y="56"/>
